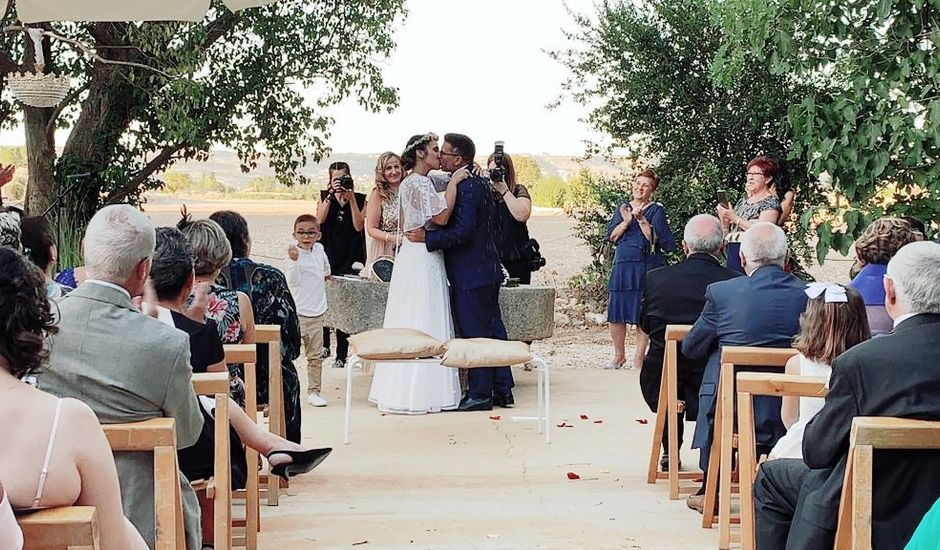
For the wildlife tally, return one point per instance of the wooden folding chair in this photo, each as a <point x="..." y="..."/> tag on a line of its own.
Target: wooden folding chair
<point x="668" y="407"/>
<point x="246" y="354"/>
<point x="749" y="385"/>
<point x="62" y="528"/>
<point x="158" y="436"/>
<point x="718" y="485"/>
<point x="219" y="486"/>
<point x="870" y="433"/>
<point x="271" y="335"/>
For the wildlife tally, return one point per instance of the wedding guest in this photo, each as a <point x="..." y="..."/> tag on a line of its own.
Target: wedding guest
<point x="10" y="228"/>
<point x="760" y="204"/>
<point x="41" y="250"/>
<point x="54" y="452"/>
<point x="640" y="235"/>
<point x="10" y="534"/>
<point x="513" y="208"/>
<point x="797" y="501"/>
<point x="834" y="321"/>
<point x="383" y="234"/>
<point x="273" y="304"/>
<point x="761" y="309"/>
<point x="341" y="224"/>
<point x="675" y="295"/>
<point x="125" y="365"/>
<point x="307" y="270"/>
<point x="875" y="247"/>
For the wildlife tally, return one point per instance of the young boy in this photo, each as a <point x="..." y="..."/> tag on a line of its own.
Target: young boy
<point x="307" y="270"/>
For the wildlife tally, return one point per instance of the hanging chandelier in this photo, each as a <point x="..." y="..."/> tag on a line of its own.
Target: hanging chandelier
<point x="36" y="88"/>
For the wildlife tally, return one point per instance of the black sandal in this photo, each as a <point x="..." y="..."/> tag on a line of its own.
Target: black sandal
<point x="303" y="461"/>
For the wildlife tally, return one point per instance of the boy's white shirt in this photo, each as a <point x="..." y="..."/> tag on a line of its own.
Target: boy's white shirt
<point x="306" y="279"/>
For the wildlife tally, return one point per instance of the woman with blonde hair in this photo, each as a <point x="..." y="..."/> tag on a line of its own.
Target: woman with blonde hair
<point x="382" y="232"/>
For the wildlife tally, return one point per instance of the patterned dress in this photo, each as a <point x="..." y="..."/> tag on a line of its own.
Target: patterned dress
<point x="273" y="304"/>
<point x="749" y="212"/>
<point x="376" y="248"/>
<point x="223" y="309"/>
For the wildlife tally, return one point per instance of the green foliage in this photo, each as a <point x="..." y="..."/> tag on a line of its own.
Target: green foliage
<point x="265" y="184"/>
<point x="549" y="191"/>
<point x="13" y="155"/>
<point x="528" y="171"/>
<point x="178" y="182"/>
<point x="870" y="117"/>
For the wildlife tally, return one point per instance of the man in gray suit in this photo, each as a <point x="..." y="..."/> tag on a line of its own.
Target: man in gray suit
<point x="125" y="365"/>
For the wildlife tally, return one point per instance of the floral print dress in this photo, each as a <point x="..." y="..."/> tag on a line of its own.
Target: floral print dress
<point x="223" y="309"/>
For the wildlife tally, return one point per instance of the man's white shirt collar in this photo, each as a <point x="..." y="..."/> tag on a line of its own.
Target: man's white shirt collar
<point x="110" y="285"/>
<point x="903" y="318"/>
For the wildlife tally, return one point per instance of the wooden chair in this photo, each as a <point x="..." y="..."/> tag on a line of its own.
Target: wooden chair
<point x="219" y="486"/>
<point x="718" y="484"/>
<point x="668" y="407"/>
<point x="749" y="385"/>
<point x="868" y="434"/>
<point x="246" y="354"/>
<point x="271" y="335"/>
<point x="158" y="436"/>
<point x="63" y="528"/>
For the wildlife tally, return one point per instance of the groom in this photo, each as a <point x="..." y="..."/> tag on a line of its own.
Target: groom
<point x="474" y="272"/>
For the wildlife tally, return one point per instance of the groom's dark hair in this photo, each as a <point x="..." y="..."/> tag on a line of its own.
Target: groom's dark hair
<point x="462" y="145"/>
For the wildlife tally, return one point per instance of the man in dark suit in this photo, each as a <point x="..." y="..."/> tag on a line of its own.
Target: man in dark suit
<point x="675" y="295"/>
<point x="474" y="272"/>
<point x="762" y="309"/>
<point x="898" y="374"/>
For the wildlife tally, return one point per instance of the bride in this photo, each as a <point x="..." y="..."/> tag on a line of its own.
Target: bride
<point x="418" y="296"/>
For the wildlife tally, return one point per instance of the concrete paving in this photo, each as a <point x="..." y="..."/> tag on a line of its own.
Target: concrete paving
<point x="464" y="480"/>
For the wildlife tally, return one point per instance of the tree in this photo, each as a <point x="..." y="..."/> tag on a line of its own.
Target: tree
<point x="527" y="170"/>
<point x="646" y="71"/>
<point x="234" y="79"/>
<point x="177" y="182"/>
<point x="870" y="114"/>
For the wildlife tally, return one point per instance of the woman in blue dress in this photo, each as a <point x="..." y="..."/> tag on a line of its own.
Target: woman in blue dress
<point x="640" y="235"/>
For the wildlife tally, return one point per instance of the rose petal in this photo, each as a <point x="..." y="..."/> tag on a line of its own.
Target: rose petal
<point x="584" y="417"/>
<point x="598" y="421"/>
<point x="572" y="475"/>
<point x="642" y="421"/>
<point x="497" y="417"/>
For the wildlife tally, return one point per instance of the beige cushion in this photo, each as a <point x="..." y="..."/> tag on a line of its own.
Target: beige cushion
<point x="395" y="343"/>
<point x="485" y="352"/>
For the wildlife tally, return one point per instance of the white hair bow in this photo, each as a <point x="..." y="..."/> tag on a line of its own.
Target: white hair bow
<point x="834" y="293"/>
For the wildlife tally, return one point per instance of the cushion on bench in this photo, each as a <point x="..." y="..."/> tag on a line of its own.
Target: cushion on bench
<point x="395" y="343"/>
<point x="484" y="352"/>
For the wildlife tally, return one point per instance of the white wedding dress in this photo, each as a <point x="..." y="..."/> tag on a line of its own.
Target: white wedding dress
<point x="418" y="298"/>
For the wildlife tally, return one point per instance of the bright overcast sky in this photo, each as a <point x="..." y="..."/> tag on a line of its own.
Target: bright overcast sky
<point x="491" y="82"/>
<point x="500" y="93"/>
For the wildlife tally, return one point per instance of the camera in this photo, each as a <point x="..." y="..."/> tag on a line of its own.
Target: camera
<point x="346" y="181"/>
<point x="530" y="253"/>
<point x="498" y="173"/>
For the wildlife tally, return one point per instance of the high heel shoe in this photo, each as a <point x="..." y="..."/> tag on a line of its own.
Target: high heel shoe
<point x="613" y="365"/>
<point x="303" y="461"/>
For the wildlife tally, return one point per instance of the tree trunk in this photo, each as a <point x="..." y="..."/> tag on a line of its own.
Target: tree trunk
<point x="41" y="155"/>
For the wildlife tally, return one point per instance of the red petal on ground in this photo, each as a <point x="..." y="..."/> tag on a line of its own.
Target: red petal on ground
<point x="497" y="417"/>
<point x="584" y="417"/>
<point x="572" y="475"/>
<point x="598" y="421"/>
<point x="642" y="421"/>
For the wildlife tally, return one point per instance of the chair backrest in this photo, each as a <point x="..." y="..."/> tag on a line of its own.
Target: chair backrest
<point x="870" y="433"/>
<point x="216" y="384"/>
<point x="157" y="435"/>
<point x="63" y="528"/>
<point x="749" y="385"/>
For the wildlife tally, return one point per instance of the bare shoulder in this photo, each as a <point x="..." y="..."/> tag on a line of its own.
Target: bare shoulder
<point x="79" y="415"/>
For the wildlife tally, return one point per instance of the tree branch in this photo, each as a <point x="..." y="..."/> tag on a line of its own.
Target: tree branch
<point x="73" y="95"/>
<point x="155" y="164"/>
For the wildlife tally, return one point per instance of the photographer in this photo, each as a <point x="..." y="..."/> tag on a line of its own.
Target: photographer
<point x="341" y="223"/>
<point x="517" y="252"/>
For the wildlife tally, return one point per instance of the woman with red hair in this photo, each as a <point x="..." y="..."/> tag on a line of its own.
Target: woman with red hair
<point x="760" y="205"/>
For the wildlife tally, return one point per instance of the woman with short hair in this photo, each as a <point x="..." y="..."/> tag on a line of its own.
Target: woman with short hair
<point x="760" y="204"/>
<point x="39" y="247"/>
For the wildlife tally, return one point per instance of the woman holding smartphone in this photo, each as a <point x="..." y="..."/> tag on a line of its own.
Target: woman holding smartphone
<point x="640" y="234"/>
<point x="760" y="205"/>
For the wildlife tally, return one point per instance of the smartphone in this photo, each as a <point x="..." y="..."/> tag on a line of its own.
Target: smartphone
<point x="722" y="196"/>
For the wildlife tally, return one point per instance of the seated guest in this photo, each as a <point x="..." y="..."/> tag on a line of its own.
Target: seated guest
<point x="173" y="280"/>
<point x="10" y="228"/>
<point x="273" y="304"/>
<point x="675" y="295"/>
<point x="125" y="365"/>
<point x="762" y="309"/>
<point x="834" y="321"/>
<point x="54" y="452"/>
<point x="229" y="309"/>
<point x="875" y="246"/>
<point x="10" y="534"/>
<point x="898" y="374"/>
<point x="40" y="248"/>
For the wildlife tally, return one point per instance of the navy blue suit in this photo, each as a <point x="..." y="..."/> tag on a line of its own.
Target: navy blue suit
<point x="475" y="276"/>
<point x="760" y="310"/>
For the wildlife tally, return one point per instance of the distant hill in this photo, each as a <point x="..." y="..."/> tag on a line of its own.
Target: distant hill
<point x="225" y="166"/>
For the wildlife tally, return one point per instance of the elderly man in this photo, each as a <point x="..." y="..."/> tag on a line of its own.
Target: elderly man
<point x="675" y="295"/>
<point x="897" y="374"/>
<point x="125" y="365"/>
<point x="762" y="309"/>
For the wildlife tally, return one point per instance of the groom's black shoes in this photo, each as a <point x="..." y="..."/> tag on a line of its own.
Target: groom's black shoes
<point x="475" y="404"/>
<point x="504" y="401"/>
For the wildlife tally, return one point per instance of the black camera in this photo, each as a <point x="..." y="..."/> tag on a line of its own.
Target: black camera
<point x="346" y="181"/>
<point x="498" y="173"/>
<point x="530" y="253"/>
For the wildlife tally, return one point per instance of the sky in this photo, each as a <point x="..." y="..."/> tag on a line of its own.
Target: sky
<point x="483" y="73"/>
